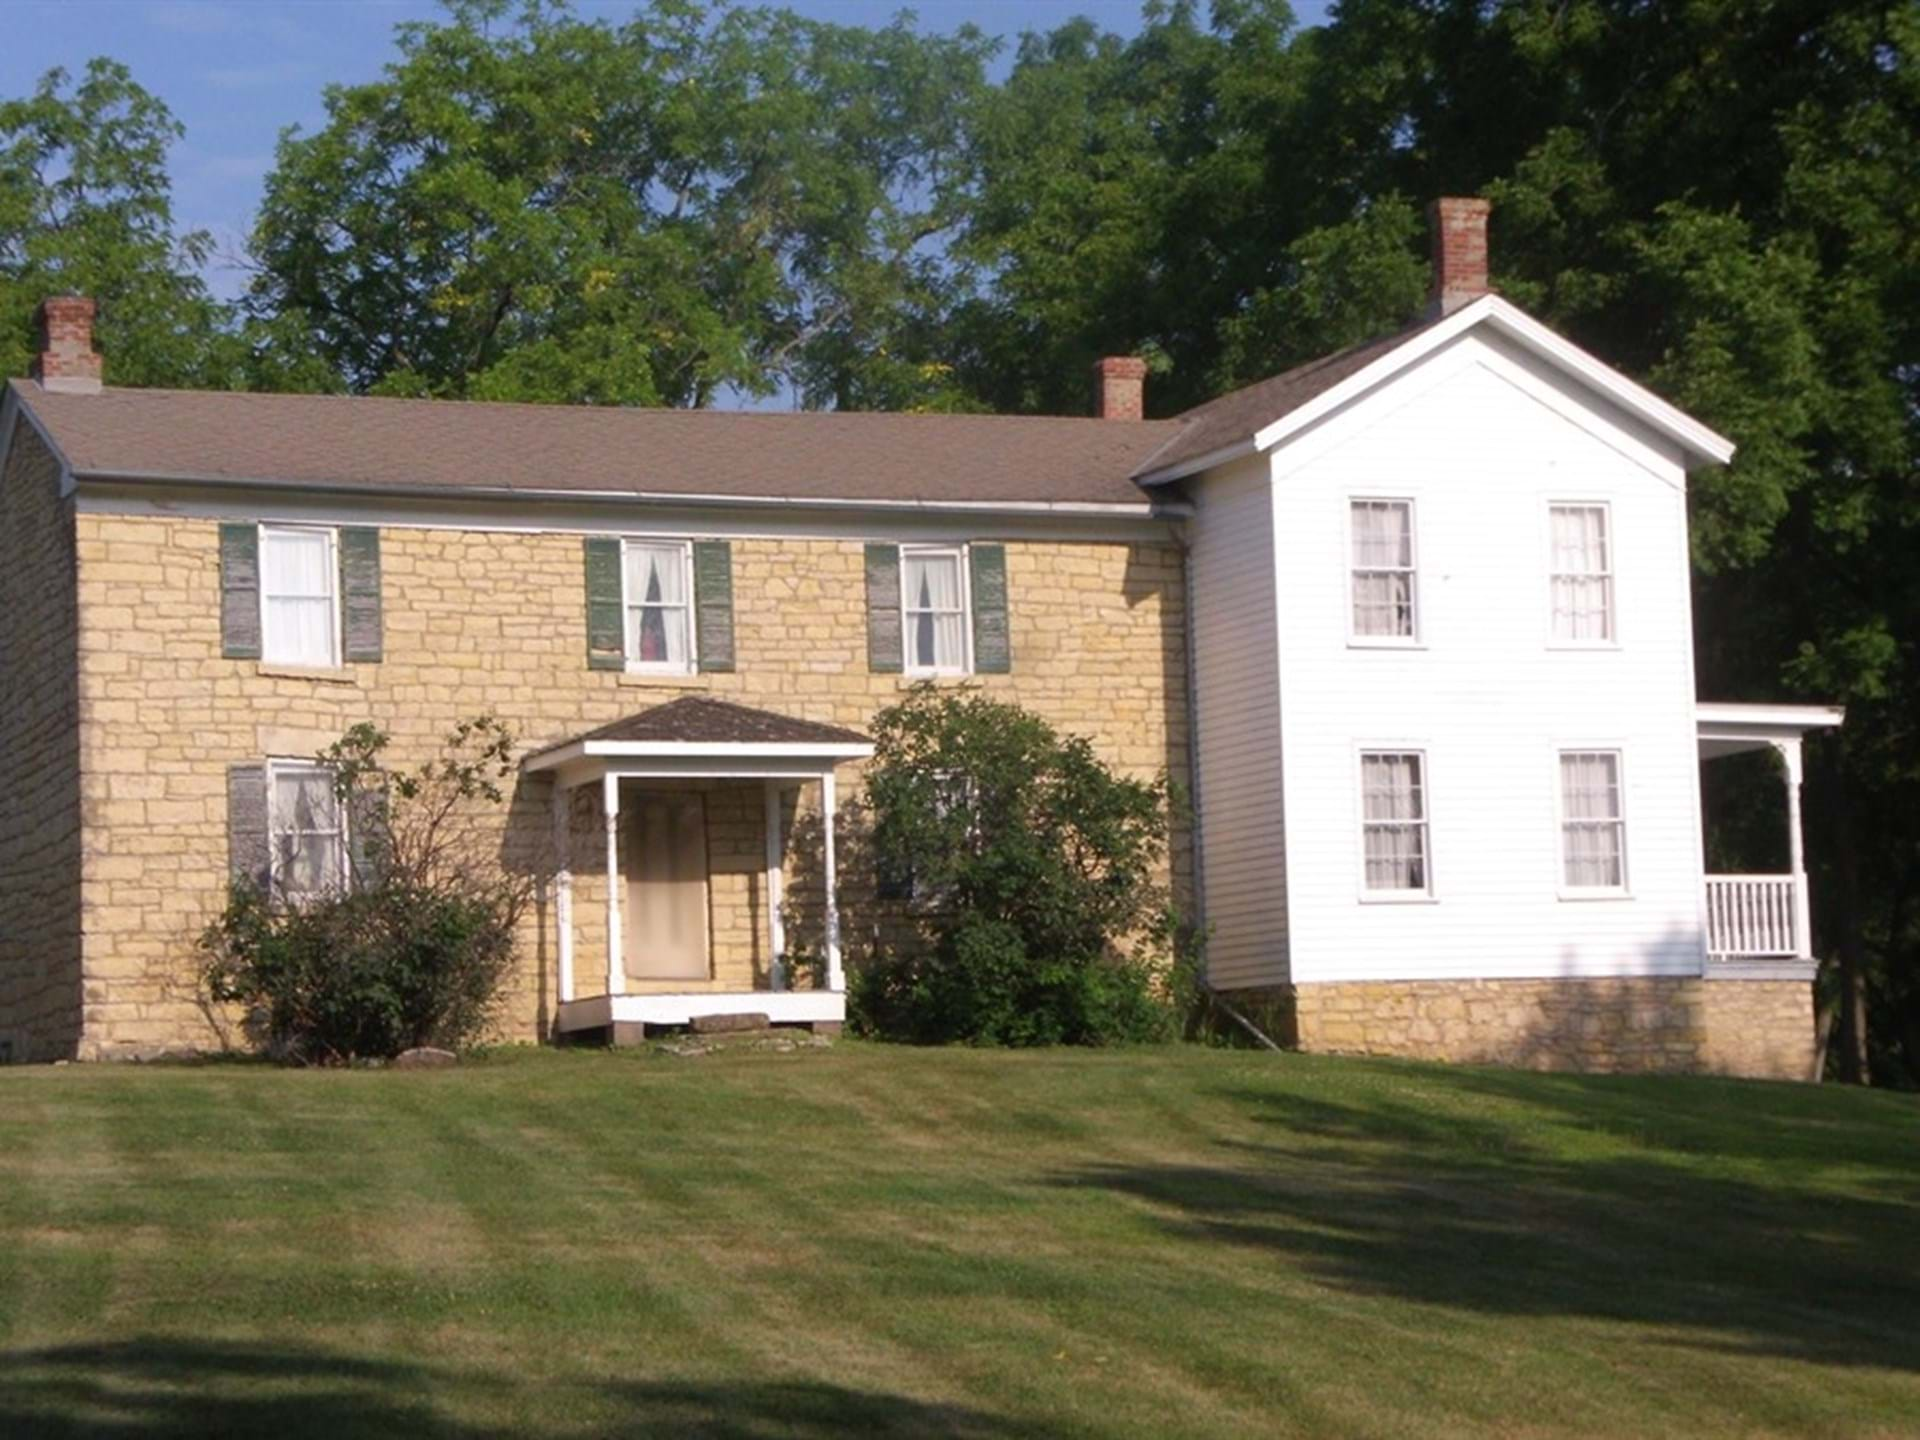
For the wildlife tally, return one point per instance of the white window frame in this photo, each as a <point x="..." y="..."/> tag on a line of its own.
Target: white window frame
<point x="1369" y="896"/>
<point x="332" y="536"/>
<point x="635" y="665"/>
<point x="1555" y="640"/>
<point x="1349" y="570"/>
<point x="961" y="557"/>
<point x="1565" y="889"/>
<point x="275" y="769"/>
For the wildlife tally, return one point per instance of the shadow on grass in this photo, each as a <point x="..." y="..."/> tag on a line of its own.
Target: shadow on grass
<point x="169" y="1387"/>
<point x="1743" y="1252"/>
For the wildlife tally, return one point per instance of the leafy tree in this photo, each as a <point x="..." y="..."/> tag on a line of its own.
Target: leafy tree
<point x="1031" y="867"/>
<point x="532" y="206"/>
<point x="85" y="206"/>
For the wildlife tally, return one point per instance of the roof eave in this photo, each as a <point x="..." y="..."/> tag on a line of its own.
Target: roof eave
<point x="1144" y="510"/>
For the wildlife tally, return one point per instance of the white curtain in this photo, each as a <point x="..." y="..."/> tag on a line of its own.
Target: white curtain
<point x="309" y="858"/>
<point x="935" y="638"/>
<point x="1593" y="838"/>
<point x="296" y="579"/>
<point x="1394" y="812"/>
<point x="657" y="628"/>
<point x="1582" y="584"/>
<point x="1382" y="567"/>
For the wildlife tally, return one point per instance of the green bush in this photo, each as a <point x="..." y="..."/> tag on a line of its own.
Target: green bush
<point x="1024" y="867"/>
<point x="415" y="951"/>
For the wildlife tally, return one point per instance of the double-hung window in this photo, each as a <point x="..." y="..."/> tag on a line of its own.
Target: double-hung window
<point x="1593" y="825"/>
<point x="1582" y="574"/>
<point x="299" y="605"/>
<point x="1397" y="857"/>
<point x="306" y="828"/>
<point x="934" y="609"/>
<point x="1385" y="588"/>
<point x="659" y="609"/>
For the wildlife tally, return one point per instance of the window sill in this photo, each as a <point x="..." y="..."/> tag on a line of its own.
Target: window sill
<point x="1581" y="895"/>
<point x="938" y="678"/>
<point x="1389" y="897"/>
<point x="664" y="679"/>
<point x="1358" y="644"/>
<point x="1583" y="645"/>
<point x="325" y="674"/>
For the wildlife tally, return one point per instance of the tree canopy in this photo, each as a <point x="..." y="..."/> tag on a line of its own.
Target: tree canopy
<point x="1718" y="196"/>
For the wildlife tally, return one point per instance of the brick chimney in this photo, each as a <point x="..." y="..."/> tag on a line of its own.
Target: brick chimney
<point x="1459" y="253"/>
<point x="1120" y="387"/>
<point x="67" y="359"/>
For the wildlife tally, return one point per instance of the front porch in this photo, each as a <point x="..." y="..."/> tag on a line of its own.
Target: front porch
<point x="693" y="799"/>
<point x="1758" y="925"/>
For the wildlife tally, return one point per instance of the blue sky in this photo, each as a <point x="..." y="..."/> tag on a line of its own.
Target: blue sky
<point x="236" y="72"/>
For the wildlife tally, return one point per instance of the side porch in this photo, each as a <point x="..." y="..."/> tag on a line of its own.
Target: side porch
<point x="1758" y="926"/>
<point x="694" y="803"/>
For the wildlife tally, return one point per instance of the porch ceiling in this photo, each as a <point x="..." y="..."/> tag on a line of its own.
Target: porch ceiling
<point x="1726" y="728"/>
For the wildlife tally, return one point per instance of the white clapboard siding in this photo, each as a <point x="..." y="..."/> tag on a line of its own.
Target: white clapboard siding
<point x="1236" y="683"/>
<point x="1482" y="438"/>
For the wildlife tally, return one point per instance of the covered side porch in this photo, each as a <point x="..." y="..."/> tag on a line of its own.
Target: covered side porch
<point x="1758" y="925"/>
<point x="693" y="801"/>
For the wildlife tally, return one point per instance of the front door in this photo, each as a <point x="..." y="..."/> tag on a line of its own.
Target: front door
<point x="665" y="925"/>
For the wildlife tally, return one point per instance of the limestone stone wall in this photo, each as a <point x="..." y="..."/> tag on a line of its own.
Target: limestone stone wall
<point x="40" y="989"/>
<point x="478" y="620"/>
<point x="1758" y="1028"/>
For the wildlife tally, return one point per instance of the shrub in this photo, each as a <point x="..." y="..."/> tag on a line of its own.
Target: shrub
<point x="1025" y="865"/>
<point x="415" y="950"/>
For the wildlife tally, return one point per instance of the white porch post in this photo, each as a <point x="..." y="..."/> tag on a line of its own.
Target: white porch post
<point x="616" y="954"/>
<point x="563" y="886"/>
<point x="776" y="925"/>
<point x="1796" y="850"/>
<point x="835" y="979"/>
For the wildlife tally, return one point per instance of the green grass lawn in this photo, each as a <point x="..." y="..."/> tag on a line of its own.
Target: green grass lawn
<point x="883" y="1241"/>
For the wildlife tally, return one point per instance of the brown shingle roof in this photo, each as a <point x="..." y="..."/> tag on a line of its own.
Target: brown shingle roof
<point x="330" y="441"/>
<point x="1240" y="414"/>
<point x="698" y="719"/>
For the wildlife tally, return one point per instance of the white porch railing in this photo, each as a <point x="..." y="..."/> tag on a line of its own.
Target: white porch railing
<point x="1751" y="917"/>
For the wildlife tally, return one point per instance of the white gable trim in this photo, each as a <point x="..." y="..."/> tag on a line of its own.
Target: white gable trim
<point x="1699" y="443"/>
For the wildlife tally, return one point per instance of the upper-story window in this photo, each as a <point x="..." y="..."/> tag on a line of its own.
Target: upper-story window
<point x="934" y="609"/>
<point x="299" y="605"/>
<point x="659" y="609"/>
<point x="1582" y="574"/>
<point x="1593" y="824"/>
<point x="1396" y="862"/>
<point x="307" y="832"/>
<point x="1385" y="577"/>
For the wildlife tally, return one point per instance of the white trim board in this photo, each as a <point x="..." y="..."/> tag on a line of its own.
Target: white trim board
<point x="616" y="515"/>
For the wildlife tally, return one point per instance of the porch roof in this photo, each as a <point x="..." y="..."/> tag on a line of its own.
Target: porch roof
<point x="1727" y="728"/>
<point x="699" y="737"/>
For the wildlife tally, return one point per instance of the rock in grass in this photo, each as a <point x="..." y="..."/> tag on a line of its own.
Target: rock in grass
<point x="425" y="1057"/>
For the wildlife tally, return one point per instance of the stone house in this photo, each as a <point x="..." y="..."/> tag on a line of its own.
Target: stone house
<point x="1411" y="624"/>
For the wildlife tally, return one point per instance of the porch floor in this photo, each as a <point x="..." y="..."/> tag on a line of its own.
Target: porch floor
<point x="781" y="1007"/>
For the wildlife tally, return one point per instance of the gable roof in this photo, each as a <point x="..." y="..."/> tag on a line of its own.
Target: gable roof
<point x="1264" y="414"/>
<point x="333" y="442"/>
<point x="699" y="719"/>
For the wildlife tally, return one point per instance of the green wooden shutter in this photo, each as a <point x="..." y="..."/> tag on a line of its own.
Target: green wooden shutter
<point x="713" y="603"/>
<point x="360" y="621"/>
<point x="240" y="591"/>
<point x="992" y="644"/>
<point x="248" y="857"/>
<point x="368" y="842"/>
<point x="884" y="654"/>
<point x="606" y="620"/>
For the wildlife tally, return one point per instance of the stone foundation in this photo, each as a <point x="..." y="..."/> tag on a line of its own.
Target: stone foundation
<point x="1757" y="1028"/>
